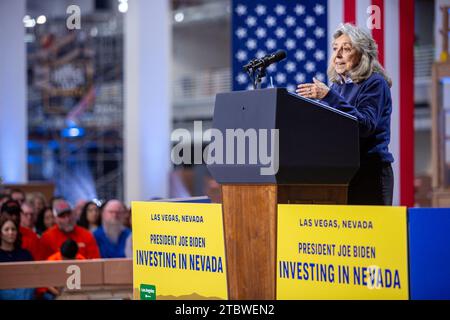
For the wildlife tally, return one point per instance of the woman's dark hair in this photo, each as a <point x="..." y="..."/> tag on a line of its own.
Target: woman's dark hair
<point x="83" y="221"/>
<point x="5" y="218"/>
<point x="40" y="225"/>
<point x="5" y="196"/>
<point x="12" y="208"/>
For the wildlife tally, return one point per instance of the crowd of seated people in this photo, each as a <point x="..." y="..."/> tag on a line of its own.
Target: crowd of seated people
<point x="33" y="228"/>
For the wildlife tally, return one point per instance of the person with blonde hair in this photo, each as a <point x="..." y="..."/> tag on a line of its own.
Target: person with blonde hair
<point x="361" y="88"/>
<point x="37" y="200"/>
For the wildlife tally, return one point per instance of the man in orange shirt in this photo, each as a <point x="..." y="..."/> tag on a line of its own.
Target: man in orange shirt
<point x="30" y="240"/>
<point x="68" y="251"/>
<point x="66" y="228"/>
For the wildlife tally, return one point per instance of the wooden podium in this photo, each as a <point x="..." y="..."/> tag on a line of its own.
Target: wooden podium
<point x="318" y="150"/>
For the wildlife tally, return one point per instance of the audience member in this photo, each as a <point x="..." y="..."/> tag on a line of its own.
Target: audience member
<point x="55" y="199"/>
<point x="18" y="195"/>
<point x="68" y="251"/>
<point x="112" y="234"/>
<point x="11" y="251"/>
<point x="126" y="220"/>
<point x="90" y="216"/>
<point x="78" y="209"/>
<point x="7" y="191"/>
<point x="129" y="247"/>
<point x="28" y="216"/>
<point x="3" y="198"/>
<point x="212" y="189"/>
<point x="37" y="201"/>
<point x="30" y="240"/>
<point x="66" y="228"/>
<point x="45" y="220"/>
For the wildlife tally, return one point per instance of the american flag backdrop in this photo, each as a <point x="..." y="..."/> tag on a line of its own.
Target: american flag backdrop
<point x="304" y="29"/>
<point x="262" y="27"/>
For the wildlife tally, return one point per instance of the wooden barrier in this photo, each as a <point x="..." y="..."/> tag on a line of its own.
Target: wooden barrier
<point x="99" y="278"/>
<point x="46" y="188"/>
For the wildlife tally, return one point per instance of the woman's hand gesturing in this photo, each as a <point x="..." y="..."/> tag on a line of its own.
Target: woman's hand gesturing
<point x="316" y="90"/>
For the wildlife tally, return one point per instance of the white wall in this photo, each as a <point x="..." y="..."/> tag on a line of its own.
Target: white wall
<point x="13" y="116"/>
<point x="147" y="106"/>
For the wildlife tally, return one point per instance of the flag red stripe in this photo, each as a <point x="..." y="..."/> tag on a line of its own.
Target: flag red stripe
<point x="350" y="11"/>
<point x="378" y="34"/>
<point x="406" y="27"/>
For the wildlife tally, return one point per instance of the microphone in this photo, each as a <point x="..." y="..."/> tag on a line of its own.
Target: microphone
<point x="266" y="61"/>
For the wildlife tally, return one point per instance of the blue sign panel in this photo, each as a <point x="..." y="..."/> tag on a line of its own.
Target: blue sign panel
<point x="429" y="253"/>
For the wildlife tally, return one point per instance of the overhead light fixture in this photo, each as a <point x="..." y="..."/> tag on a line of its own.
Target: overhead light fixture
<point x="179" y="17"/>
<point x="72" y="132"/>
<point x="123" y="6"/>
<point x="41" y="19"/>
<point x="28" y="22"/>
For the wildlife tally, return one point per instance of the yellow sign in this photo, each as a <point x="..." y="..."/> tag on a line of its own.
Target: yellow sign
<point x="342" y="252"/>
<point x="178" y="251"/>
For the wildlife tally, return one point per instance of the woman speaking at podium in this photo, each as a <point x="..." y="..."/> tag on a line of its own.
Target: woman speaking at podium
<point x="361" y="87"/>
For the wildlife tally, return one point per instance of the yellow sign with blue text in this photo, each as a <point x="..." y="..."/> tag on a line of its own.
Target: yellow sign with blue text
<point x="342" y="252"/>
<point x="178" y="251"/>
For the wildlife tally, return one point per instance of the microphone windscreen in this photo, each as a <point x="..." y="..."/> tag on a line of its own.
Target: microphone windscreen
<point x="280" y="55"/>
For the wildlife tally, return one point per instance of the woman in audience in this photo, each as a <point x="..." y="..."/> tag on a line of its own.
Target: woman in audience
<point x="45" y="220"/>
<point x="90" y="216"/>
<point x="37" y="200"/>
<point x="11" y="251"/>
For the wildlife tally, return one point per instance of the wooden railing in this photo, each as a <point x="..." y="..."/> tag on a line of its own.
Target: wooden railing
<point x="98" y="278"/>
<point x="46" y="188"/>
